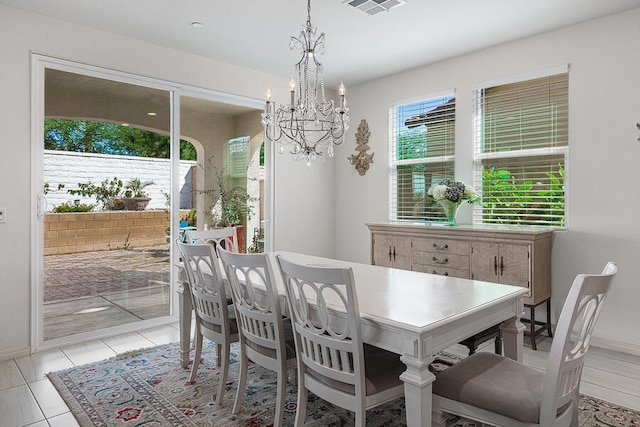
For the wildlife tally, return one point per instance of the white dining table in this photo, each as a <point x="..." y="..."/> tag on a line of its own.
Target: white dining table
<point x="412" y="314"/>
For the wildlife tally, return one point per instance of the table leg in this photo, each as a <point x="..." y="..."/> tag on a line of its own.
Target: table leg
<point x="184" y="309"/>
<point x="513" y="334"/>
<point x="417" y="384"/>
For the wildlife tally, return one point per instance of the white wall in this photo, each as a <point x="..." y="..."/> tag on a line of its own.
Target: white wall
<point x="63" y="167"/>
<point x="22" y="33"/>
<point x="604" y="106"/>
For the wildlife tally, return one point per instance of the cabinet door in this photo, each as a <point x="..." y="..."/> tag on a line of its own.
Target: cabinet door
<point x="402" y="253"/>
<point x="392" y="251"/>
<point x="383" y="250"/>
<point x="501" y="263"/>
<point x="484" y="261"/>
<point x="514" y="265"/>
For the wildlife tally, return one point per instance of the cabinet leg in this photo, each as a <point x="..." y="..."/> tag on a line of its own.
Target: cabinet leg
<point x="548" y="318"/>
<point x="532" y="326"/>
<point x="537" y="327"/>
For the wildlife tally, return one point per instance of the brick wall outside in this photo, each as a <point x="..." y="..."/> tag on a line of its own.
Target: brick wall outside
<point x="66" y="233"/>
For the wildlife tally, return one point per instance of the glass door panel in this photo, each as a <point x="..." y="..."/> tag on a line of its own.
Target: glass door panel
<point x="106" y="182"/>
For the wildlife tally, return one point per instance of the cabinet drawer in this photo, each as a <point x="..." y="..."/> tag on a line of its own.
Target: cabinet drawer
<point x="442" y="271"/>
<point x="445" y="246"/>
<point x="437" y="259"/>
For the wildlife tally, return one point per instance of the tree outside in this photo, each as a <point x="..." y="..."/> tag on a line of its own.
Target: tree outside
<point x="108" y="138"/>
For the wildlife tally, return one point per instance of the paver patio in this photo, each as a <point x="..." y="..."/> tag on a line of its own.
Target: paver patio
<point x="93" y="290"/>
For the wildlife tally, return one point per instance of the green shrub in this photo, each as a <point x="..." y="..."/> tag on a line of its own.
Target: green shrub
<point x="72" y="207"/>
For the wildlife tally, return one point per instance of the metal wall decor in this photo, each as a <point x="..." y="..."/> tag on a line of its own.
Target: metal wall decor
<point x="362" y="159"/>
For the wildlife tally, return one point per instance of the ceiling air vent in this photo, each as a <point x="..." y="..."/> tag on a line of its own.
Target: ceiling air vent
<point x="371" y="7"/>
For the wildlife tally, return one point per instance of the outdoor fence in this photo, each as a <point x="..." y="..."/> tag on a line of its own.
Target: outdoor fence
<point x="68" y="168"/>
<point x="67" y="233"/>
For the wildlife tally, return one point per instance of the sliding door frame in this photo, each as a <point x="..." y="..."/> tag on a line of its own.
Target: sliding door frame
<point x="39" y="63"/>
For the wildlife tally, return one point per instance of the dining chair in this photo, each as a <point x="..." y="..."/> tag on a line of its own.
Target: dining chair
<point x="495" y="390"/>
<point x="265" y="338"/>
<point x="214" y="320"/>
<point x="333" y="362"/>
<point x="226" y="237"/>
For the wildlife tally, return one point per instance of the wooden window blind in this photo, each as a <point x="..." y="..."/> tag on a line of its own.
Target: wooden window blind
<point x="421" y="153"/>
<point x="521" y="145"/>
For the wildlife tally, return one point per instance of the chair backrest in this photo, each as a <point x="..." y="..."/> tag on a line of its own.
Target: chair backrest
<point x="328" y="349"/>
<point x="257" y="305"/>
<point x="226" y="237"/>
<point x="207" y="289"/>
<point x="570" y="344"/>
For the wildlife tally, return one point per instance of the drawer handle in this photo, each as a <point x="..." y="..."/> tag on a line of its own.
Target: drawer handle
<point x="501" y="266"/>
<point x="446" y="273"/>
<point x="495" y="265"/>
<point x="437" y="261"/>
<point x="443" y="247"/>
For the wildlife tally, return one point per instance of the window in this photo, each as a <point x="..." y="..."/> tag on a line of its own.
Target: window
<point x="238" y="157"/>
<point x="422" y="136"/>
<point x="521" y="144"/>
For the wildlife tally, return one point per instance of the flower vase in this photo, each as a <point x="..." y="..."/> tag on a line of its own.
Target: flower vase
<point x="450" y="210"/>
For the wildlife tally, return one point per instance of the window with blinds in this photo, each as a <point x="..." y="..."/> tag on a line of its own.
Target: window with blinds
<point x="237" y="157"/>
<point x="521" y="145"/>
<point x="422" y="136"/>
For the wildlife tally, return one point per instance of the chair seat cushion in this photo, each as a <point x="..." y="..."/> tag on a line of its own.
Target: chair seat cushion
<point x="382" y="372"/>
<point x="495" y="383"/>
<point x="233" y="325"/>
<point x="290" y="346"/>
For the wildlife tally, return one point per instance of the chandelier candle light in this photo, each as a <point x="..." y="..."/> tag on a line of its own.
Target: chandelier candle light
<point x="310" y="123"/>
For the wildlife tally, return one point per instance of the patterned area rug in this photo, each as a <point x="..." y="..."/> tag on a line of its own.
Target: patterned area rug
<point x="149" y="388"/>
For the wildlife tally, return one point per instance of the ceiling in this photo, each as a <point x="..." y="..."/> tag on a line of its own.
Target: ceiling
<point x="359" y="47"/>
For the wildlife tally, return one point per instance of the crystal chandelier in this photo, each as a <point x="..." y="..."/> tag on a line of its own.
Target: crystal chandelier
<point x="310" y="123"/>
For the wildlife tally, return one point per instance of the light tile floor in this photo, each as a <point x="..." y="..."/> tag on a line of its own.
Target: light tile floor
<point x="27" y="397"/>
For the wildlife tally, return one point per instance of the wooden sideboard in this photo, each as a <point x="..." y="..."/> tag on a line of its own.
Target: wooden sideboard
<point x="518" y="256"/>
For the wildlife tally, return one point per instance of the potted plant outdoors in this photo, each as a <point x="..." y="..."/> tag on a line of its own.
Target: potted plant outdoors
<point x="106" y="193"/>
<point x="231" y="207"/>
<point x="134" y="196"/>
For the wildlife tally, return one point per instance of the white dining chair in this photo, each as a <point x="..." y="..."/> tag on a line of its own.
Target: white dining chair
<point x="498" y="391"/>
<point x="333" y="362"/>
<point x="213" y="318"/>
<point x="226" y="237"/>
<point x="265" y="338"/>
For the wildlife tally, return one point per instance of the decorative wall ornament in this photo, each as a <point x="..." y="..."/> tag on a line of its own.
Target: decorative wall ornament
<point x="362" y="159"/>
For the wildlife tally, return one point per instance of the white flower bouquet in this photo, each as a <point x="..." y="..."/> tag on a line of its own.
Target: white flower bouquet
<point x="453" y="191"/>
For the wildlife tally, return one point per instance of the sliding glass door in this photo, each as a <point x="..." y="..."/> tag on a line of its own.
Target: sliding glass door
<point x="120" y="164"/>
<point x="104" y="179"/>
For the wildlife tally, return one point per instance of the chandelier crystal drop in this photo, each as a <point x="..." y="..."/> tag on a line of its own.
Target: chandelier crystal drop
<point x="310" y="124"/>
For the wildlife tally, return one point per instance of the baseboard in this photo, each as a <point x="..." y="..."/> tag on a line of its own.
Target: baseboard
<point x="613" y="345"/>
<point x="14" y="353"/>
